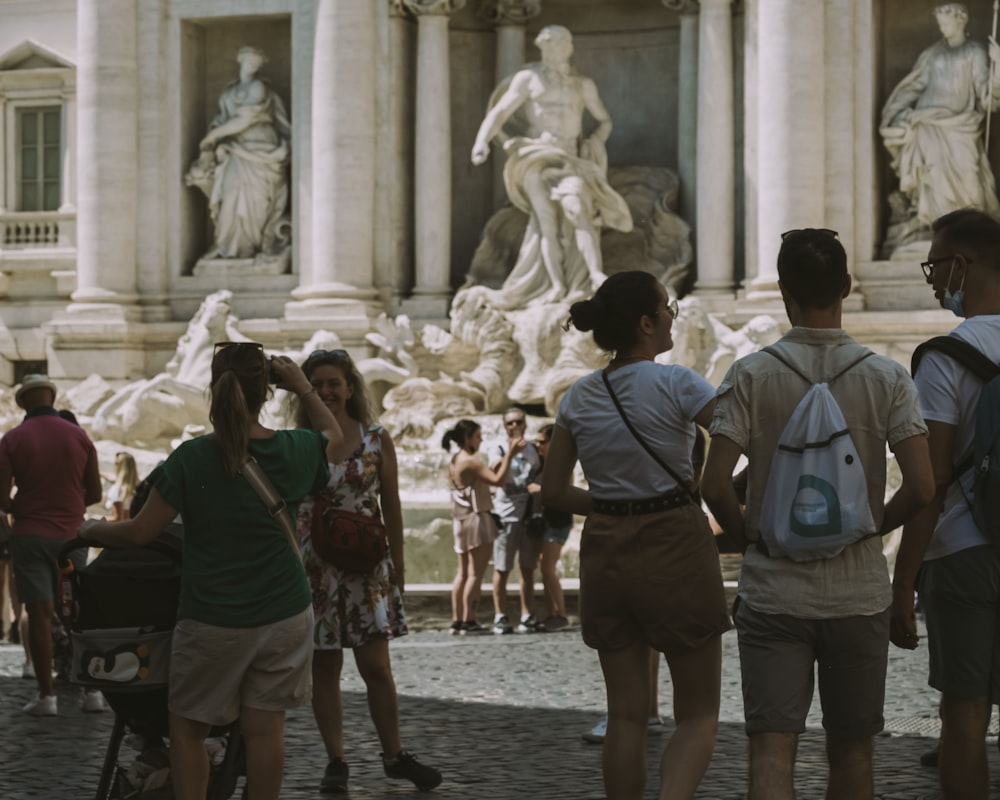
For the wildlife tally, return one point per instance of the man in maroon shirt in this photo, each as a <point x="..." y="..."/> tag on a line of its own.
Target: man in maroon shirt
<point x="53" y="463"/>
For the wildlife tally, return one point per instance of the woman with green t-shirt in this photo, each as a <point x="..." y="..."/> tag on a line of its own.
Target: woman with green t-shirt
<point x="242" y="645"/>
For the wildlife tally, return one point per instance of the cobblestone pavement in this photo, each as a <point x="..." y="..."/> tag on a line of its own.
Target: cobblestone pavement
<point x="500" y="716"/>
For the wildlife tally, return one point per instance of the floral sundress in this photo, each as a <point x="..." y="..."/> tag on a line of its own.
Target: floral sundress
<point x="352" y="609"/>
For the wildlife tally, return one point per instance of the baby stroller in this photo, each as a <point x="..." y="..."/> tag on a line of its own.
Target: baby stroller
<point x="121" y="609"/>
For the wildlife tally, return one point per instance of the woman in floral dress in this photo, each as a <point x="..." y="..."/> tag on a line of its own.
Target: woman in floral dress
<point x="355" y="611"/>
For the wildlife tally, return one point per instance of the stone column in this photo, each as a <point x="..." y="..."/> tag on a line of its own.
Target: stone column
<point x="716" y="158"/>
<point x="3" y="149"/>
<point x="107" y="160"/>
<point x="511" y="20"/>
<point x="340" y="277"/>
<point x="68" y="190"/>
<point x="687" y="106"/>
<point x="791" y="122"/>
<point x="432" y="291"/>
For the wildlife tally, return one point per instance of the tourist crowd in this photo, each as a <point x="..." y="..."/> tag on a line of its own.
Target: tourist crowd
<point x="293" y="539"/>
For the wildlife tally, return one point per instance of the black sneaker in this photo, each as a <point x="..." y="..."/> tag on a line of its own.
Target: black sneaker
<point x="335" y="777"/>
<point x="471" y="626"/>
<point x="456" y="628"/>
<point x="406" y="767"/>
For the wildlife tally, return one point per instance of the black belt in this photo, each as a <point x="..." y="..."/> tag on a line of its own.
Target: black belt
<point x="634" y="508"/>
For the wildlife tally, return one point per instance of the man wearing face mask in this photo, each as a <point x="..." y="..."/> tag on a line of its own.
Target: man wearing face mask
<point x="958" y="568"/>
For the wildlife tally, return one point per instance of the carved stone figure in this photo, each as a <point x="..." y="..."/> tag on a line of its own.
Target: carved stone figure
<point x="553" y="174"/>
<point x="932" y="125"/>
<point x="243" y="170"/>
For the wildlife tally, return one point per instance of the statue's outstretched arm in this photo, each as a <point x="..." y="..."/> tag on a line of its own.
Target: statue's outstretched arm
<point x="495" y="118"/>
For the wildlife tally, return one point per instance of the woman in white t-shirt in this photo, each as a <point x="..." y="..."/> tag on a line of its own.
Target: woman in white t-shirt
<point x="649" y="571"/>
<point x="123" y="489"/>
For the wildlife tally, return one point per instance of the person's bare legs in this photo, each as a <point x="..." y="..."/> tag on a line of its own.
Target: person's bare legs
<point x="264" y="736"/>
<point x="373" y="663"/>
<point x="963" y="767"/>
<point x="851" y="776"/>
<point x="458" y="611"/>
<point x="527" y="591"/>
<point x="479" y="558"/>
<point x="40" y="643"/>
<point x="772" y="766"/>
<point x="626" y="678"/>
<point x="500" y="591"/>
<point x="188" y="759"/>
<point x="327" y="704"/>
<point x="697" y="678"/>
<point x="550" y="580"/>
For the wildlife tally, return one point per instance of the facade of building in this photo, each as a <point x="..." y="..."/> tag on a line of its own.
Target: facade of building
<point x="767" y="110"/>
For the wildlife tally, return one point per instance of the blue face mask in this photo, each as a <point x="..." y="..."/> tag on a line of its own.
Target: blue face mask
<point x="955" y="303"/>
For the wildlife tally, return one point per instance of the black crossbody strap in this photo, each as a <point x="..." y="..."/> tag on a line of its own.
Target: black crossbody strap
<point x="681" y="483"/>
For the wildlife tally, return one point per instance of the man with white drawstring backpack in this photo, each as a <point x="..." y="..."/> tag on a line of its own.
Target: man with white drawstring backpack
<point x="813" y="415"/>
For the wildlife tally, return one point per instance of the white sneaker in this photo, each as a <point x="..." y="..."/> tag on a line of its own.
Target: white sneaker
<point x="28" y="670"/>
<point x="42" y="706"/>
<point x="596" y="734"/>
<point x="93" y="702"/>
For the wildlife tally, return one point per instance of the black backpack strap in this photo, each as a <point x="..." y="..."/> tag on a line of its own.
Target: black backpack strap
<point x="681" y="483"/>
<point x="771" y="351"/>
<point x="969" y="356"/>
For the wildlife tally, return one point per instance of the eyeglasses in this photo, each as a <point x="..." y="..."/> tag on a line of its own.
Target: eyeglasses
<point x="672" y="307"/>
<point x="510" y="423"/>
<point x="821" y="231"/>
<point x="928" y="266"/>
<point x="338" y="353"/>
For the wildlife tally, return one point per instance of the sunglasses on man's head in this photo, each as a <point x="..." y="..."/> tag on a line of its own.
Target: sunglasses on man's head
<point x="226" y="345"/>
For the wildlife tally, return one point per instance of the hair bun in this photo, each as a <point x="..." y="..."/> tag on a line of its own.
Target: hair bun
<point x="585" y="314"/>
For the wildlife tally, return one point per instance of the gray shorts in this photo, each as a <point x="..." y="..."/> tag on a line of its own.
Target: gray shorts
<point x="216" y="671"/>
<point x="513" y="543"/>
<point x="960" y="595"/>
<point x="33" y="560"/>
<point x="778" y="656"/>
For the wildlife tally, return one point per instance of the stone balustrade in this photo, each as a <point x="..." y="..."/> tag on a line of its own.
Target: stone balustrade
<point x="37" y="230"/>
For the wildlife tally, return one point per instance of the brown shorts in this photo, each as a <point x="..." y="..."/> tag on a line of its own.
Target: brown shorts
<point x="216" y="671"/>
<point x="651" y="579"/>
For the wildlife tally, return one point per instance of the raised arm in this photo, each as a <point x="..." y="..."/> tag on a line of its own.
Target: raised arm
<point x="293" y="379"/>
<point x="498" y="475"/>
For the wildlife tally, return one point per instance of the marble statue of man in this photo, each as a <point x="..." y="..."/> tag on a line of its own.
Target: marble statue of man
<point x="243" y="166"/>
<point x="932" y="125"/>
<point x="553" y="174"/>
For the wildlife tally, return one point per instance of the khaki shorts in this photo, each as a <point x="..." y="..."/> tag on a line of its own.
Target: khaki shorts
<point x="651" y="579"/>
<point x="779" y="654"/>
<point x="33" y="560"/>
<point x="214" y="672"/>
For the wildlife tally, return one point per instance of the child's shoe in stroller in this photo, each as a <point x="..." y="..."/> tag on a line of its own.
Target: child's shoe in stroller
<point x="42" y="706"/>
<point x="406" y="767"/>
<point x="335" y="777"/>
<point x="93" y="702"/>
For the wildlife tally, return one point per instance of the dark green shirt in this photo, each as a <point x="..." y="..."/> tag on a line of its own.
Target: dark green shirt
<point x="239" y="570"/>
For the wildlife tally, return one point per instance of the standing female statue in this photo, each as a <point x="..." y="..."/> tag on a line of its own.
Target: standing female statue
<point x="243" y="168"/>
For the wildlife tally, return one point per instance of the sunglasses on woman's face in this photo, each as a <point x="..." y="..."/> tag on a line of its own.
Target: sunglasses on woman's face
<point x="338" y="353"/>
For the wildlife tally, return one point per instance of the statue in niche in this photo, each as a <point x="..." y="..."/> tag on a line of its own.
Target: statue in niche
<point x="932" y="125"/>
<point x="554" y="175"/>
<point x="243" y="171"/>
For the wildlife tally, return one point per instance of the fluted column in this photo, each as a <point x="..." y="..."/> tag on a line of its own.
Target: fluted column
<point x="791" y="123"/>
<point x="107" y="161"/>
<point x="687" y="106"/>
<point x="433" y="159"/>
<point x="511" y="20"/>
<point x="68" y="189"/>
<point x="343" y="149"/>
<point x="715" y="160"/>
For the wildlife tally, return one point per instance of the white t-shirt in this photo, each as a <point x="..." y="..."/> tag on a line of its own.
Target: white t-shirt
<point x="660" y="400"/>
<point x="949" y="393"/>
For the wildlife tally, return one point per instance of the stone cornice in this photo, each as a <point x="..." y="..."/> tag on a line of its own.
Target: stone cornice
<point x="510" y="12"/>
<point x="440" y="7"/>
